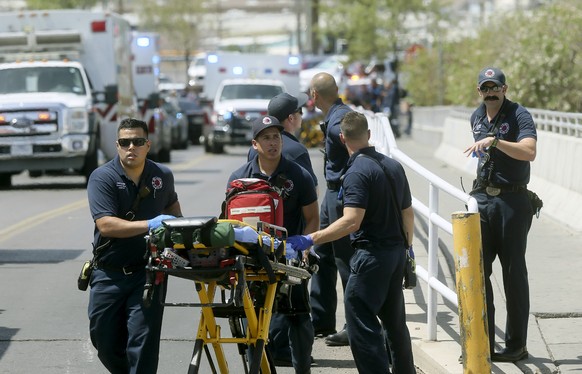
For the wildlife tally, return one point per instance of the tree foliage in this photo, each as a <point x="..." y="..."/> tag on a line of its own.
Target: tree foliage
<point x="176" y="21"/>
<point x="59" y="4"/>
<point x="372" y="28"/>
<point x="539" y="51"/>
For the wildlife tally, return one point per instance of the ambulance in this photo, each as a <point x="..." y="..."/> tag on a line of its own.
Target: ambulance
<point x="240" y="86"/>
<point x="145" y="47"/>
<point x="232" y="65"/>
<point x="43" y="129"/>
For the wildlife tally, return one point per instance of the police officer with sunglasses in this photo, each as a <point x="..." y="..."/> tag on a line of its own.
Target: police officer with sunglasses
<point x="505" y="143"/>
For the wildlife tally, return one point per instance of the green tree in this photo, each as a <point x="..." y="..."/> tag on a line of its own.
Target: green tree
<point x="540" y="52"/>
<point x="372" y="28"/>
<point x="176" y="21"/>
<point x="59" y="4"/>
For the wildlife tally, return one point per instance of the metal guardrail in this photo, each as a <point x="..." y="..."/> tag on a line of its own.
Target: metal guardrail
<point x="563" y="123"/>
<point x="382" y="138"/>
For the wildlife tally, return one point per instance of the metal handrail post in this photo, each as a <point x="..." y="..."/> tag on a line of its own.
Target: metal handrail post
<point x="433" y="264"/>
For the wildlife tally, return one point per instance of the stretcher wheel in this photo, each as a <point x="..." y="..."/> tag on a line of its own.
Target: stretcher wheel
<point x="148" y="289"/>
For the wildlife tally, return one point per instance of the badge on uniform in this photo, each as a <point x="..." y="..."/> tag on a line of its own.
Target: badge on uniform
<point x="492" y="191"/>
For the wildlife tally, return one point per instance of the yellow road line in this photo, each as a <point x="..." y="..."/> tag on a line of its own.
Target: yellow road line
<point x="189" y="164"/>
<point x="30" y="222"/>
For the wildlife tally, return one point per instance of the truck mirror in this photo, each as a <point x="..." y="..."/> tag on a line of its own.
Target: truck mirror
<point x="111" y="94"/>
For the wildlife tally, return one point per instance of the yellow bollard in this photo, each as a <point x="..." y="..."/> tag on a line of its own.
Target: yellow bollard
<point x="471" y="293"/>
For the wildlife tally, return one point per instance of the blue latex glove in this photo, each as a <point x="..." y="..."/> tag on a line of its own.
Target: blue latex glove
<point x="290" y="252"/>
<point x="411" y="252"/>
<point x="300" y="242"/>
<point x="156" y="222"/>
<point x="246" y="234"/>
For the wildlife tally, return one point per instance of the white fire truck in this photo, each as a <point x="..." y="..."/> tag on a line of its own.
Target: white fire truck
<point x="43" y="129"/>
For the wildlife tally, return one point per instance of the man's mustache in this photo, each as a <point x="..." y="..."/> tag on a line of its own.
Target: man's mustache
<point x="491" y="98"/>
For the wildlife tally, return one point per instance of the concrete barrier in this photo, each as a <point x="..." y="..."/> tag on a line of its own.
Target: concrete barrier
<point x="556" y="176"/>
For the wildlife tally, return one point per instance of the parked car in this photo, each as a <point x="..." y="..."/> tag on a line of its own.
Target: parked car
<point x="198" y="117"/>
<point x="177" y="121"/>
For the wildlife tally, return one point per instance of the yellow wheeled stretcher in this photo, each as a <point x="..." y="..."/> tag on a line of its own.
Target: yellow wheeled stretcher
<point x="247" y="274"/>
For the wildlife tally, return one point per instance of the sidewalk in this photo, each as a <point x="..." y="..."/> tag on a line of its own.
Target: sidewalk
<point x="554" y="260"/>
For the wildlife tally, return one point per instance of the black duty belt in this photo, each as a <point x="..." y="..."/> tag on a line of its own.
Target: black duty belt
<point x="334" y="186"/>
<point x="493" y="189"/>
<point x="127" y="270"/>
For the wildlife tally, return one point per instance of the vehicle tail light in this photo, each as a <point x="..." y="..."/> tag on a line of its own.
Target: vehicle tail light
<point x="152" y="124"/>
<point x="98" y="26"/>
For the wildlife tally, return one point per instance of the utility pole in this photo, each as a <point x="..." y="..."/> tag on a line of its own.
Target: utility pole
<point x="314" y="28"/>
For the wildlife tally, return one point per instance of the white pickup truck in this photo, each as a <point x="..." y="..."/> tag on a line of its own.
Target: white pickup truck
<point x="236" y="104"/>
<point x="47" y="122"/>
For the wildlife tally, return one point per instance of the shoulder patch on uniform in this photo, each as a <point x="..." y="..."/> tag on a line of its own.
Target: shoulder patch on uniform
<point x="157" y="183"/>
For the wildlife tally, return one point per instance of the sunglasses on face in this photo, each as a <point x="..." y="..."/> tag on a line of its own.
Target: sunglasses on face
<point x="300" y="111"/>
<point x="487" y="89"/>
<point x="137" y="142"/>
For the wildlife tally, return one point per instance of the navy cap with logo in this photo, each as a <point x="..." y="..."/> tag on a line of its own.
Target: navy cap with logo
<point x="263" y="123"/>
<point x="283" y="105"/>
<point x="490" y="74"/>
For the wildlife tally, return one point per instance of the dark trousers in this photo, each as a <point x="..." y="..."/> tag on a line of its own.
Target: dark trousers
<point x="291" y="339"/>
<point x="505" y="223"/>
<point x="124" y="332"/>
<point x="374" y="290"/>
<point x="335" y="256"/>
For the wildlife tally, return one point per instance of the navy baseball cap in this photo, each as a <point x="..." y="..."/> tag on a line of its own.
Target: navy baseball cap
<point x="494" y="75"/>
<point x="283" y="105"/>
<point x="265" y="122"/>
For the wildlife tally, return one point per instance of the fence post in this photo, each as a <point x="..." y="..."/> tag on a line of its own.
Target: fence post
<point x="471" y="292"/>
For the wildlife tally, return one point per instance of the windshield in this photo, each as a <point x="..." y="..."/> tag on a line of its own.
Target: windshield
<point x="250" y="91"/>
<point x="329" y="63"/>
<point x="42" y="79"/>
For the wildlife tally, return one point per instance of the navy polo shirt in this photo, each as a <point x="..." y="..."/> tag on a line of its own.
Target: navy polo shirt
<point x="336" y="152"/>
<point x="515" y="123"/>
<point x="293" y="150"/>
<point x="112" y="193"/>
<point x="365" y="186"/>
<point x="299" y="189"/>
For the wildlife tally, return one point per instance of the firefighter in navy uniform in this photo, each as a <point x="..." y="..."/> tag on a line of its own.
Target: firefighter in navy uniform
<point x="374" y="288"/>
<point x="334" y="256"/>
<point x="505" y="142"/>
<point x="288" y="110"/>
<point x="300" y="211"/>
<point x="125" y="333"/>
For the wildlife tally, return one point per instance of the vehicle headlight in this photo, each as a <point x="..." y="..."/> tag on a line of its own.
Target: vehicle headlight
<point x="77" y="121"/>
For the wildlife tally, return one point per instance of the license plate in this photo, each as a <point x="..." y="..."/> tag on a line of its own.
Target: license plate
<point x="21" y="150"/>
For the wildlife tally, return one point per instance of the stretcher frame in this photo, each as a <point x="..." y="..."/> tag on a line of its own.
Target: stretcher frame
<point x="242" y="271"/>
